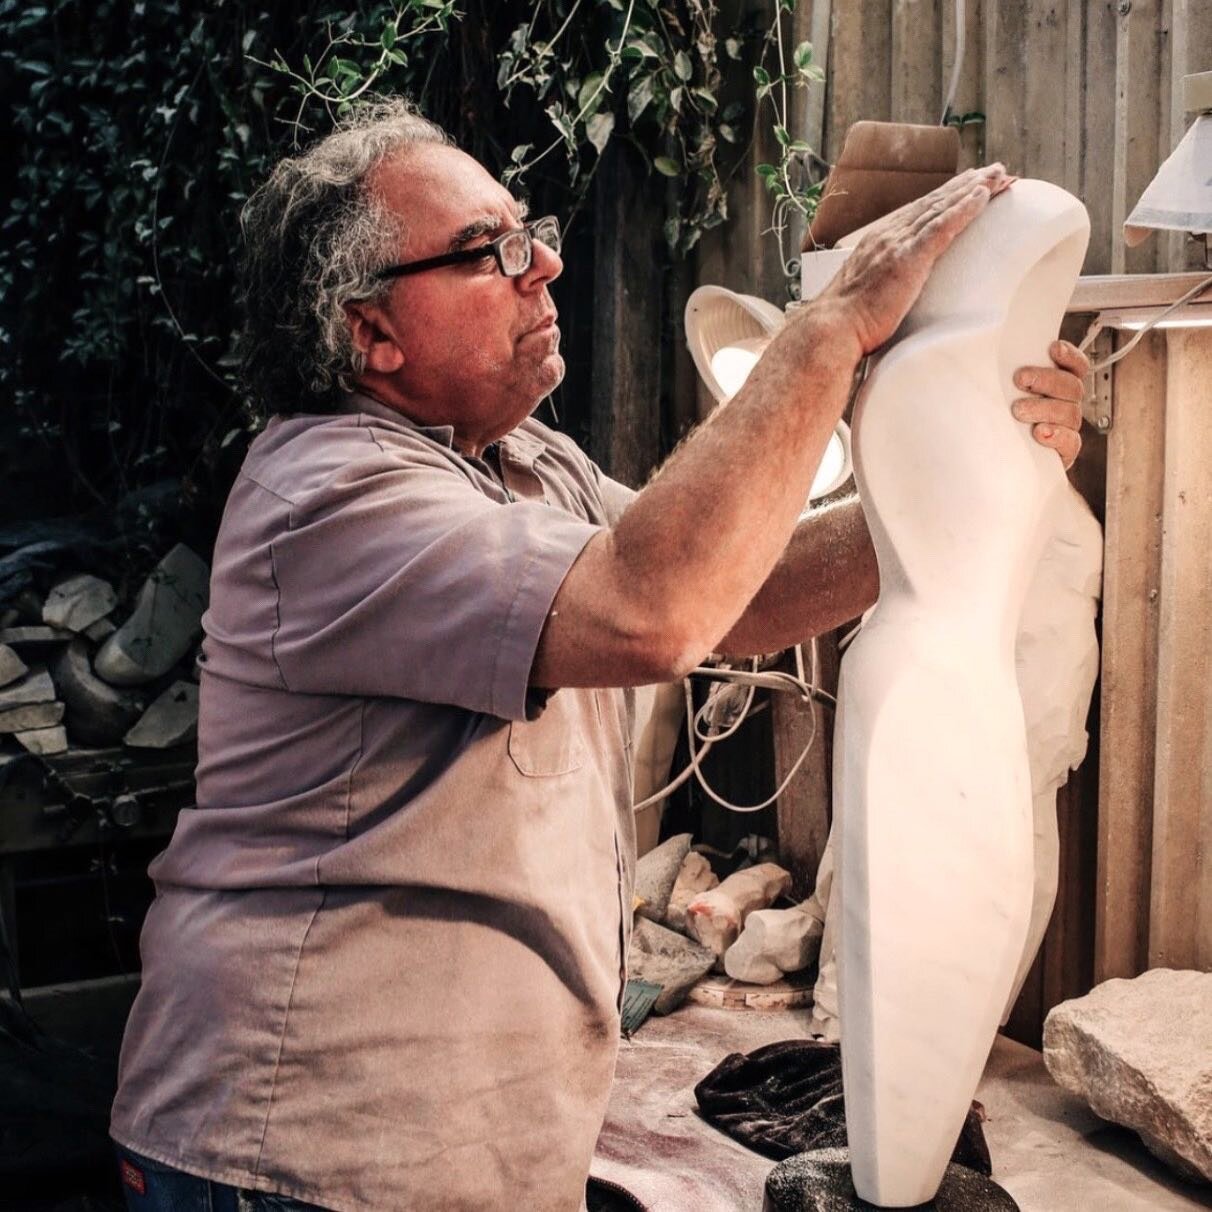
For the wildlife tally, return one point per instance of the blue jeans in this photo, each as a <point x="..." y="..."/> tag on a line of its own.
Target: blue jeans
<point x="151" y="1186"/>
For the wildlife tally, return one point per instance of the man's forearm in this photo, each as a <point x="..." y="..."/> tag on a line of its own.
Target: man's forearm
<point x="826" y="576"/>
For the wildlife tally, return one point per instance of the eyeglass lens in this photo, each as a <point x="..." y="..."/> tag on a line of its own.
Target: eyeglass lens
<point x="516" y="251"/>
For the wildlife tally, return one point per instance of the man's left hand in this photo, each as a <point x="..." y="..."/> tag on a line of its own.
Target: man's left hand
<point x="1054" y="409"/>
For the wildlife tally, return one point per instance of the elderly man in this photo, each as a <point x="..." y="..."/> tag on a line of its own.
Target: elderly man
<point x="386" y="958"/>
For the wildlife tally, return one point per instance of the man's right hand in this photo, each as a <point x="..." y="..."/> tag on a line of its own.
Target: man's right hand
<point x="882" y="278"/>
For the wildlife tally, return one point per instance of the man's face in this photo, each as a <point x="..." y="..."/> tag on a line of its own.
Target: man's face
<point x="476" y="350"/>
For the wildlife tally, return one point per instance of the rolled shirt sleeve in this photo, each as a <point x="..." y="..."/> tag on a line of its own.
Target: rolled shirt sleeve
<point x="407" y="581"/>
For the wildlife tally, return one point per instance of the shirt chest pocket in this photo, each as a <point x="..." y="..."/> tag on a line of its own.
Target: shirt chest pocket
<point x="554" y="743"/>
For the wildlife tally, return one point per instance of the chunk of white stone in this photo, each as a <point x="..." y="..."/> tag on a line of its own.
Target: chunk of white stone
<point x="44" y="741"/>
<point x="166" y="619"/>
<point x="32" y="715"/>
<point x="694" y="877"/>
<point x="1140" y="1053"/>
<point x="35" y="687"/>
<point x="79" y="602"/>
<point x="11" y="665"/>
<point x="97" y="713"/>
<point x="655" y="874"/>
<point x="171" y="720"/>
<point x="774" y="942"/>
<point x="715" y="918"/>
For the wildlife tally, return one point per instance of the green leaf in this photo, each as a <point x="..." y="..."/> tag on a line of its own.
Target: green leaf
<point x="780" y="133"/>
<point x="682" y="66"/>
<point x="591" y="93"/>
<point x="733" y="47"/>
<point x="761" y="77"/>
<point x="729" y="133"/>
<point x="667" y="167"/>
<point x="598" y="130"/>
<point x="707" y="97"/>
<point x="388" y="38"/>
<point x="802" y="55"/>
<point x="639" y="97"/>
<point x="520" y="152"/>
<point x="766" y="171"/>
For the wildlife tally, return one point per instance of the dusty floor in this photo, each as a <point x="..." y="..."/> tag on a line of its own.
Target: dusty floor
<point x="1049" y="1151"/>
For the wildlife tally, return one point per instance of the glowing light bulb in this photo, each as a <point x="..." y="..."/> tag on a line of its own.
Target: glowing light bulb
<point x="732" y="364"/>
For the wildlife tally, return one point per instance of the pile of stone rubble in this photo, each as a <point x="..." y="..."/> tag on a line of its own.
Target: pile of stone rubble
<point x="76" y="670"/>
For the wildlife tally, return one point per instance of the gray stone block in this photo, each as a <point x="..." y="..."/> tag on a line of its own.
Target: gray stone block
<point x="655" y="873"/>
<point x="668" y="959"/>
<point x="35" y="687"/>
<point x="171" y="720"/>
<point x="12" y="666"/>
<point x="32" y="715"/>
<point x="79" y="602"/>
<point x="165" y="622"/>
<point x="44" y="741"/>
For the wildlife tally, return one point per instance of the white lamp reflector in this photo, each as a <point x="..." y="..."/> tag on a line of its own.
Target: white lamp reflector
<point x="731" y="364"/>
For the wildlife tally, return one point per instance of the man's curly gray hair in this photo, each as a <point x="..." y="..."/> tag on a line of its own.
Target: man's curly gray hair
<point x="313" y="238"/>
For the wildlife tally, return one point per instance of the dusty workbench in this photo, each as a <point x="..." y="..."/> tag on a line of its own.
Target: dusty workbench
<point x="1050" y="1152"/>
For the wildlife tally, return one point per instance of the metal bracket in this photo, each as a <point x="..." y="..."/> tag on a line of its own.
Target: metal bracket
<point x="1098" y="408"/>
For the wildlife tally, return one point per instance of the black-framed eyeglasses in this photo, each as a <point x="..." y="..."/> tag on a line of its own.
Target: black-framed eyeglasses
<point x="513" y="251"/>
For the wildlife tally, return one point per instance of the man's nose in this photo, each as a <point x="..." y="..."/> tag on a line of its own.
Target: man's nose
<point x="545" y="266"/>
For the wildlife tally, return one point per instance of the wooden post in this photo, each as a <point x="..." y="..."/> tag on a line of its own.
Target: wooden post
<point x="625" y="416"/>
<point x="1180" y="902"/>
<point x="1131" y="577"/>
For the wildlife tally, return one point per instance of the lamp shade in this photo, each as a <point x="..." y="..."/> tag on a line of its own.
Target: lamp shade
<point x="727" y="334"/>
<point x="1179" y="198"/>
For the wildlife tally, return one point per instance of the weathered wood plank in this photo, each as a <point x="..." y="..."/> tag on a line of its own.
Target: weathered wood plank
<point x="860" y="69"/>
<point x="1046" y="71"/>
<point x="804" y="809"/>
<point x="1138" y="106"/>
<point x="1005" y="40"/>
<point x="1098" y="153"/>
<point x="1129" y="670"/>
<point x="1180" y="919"/>
<point x="916" y="92"/>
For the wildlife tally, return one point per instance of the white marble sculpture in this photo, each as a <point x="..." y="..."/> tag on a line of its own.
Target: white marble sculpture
<point x="1056" y="661"/>
<point x="932" y="785"/>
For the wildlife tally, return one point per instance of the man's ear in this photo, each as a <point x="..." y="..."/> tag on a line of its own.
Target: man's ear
<point x="372" y="339"/>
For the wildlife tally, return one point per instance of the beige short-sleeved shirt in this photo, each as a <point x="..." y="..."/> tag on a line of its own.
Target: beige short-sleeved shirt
<point x="385" y="959"/>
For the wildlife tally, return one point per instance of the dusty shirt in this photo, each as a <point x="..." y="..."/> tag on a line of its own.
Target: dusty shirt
<point x="384" y="963"/>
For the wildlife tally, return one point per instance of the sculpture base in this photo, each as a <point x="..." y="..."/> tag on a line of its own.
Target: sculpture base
<point x="819" y="1181"/>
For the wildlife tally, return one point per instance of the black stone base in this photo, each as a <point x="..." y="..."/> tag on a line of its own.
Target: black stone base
<point x="819" y="1181"/>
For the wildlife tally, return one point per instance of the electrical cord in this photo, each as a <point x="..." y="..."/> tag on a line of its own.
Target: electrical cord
<point x="1151" y="323"/>
<point x="957" y="66"/>
<point x="728" y="704"/>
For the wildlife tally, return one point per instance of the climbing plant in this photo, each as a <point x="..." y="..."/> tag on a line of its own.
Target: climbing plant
<point x="140" y="128"/>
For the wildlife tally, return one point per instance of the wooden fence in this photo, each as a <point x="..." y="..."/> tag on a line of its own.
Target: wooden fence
<point x="1085" y="95"/>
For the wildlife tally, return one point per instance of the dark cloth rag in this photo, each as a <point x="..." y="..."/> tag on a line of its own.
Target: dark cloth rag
<point x="786" y="1098"/>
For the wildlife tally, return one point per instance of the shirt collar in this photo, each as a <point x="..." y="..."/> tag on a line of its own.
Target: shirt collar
<point x="357" y="402"/>
<point x="519" y="447"/>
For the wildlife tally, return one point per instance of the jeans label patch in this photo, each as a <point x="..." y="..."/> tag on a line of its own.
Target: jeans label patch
<point x="132" y="1176"/>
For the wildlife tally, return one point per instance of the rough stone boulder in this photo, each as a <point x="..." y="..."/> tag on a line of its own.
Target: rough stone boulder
<point x="668" y="959"/>
<point x="655" y="873"/>
<point x="165" y="621"/>
<point x="694" y="877"/>
<point x="1140" y="1053"/>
